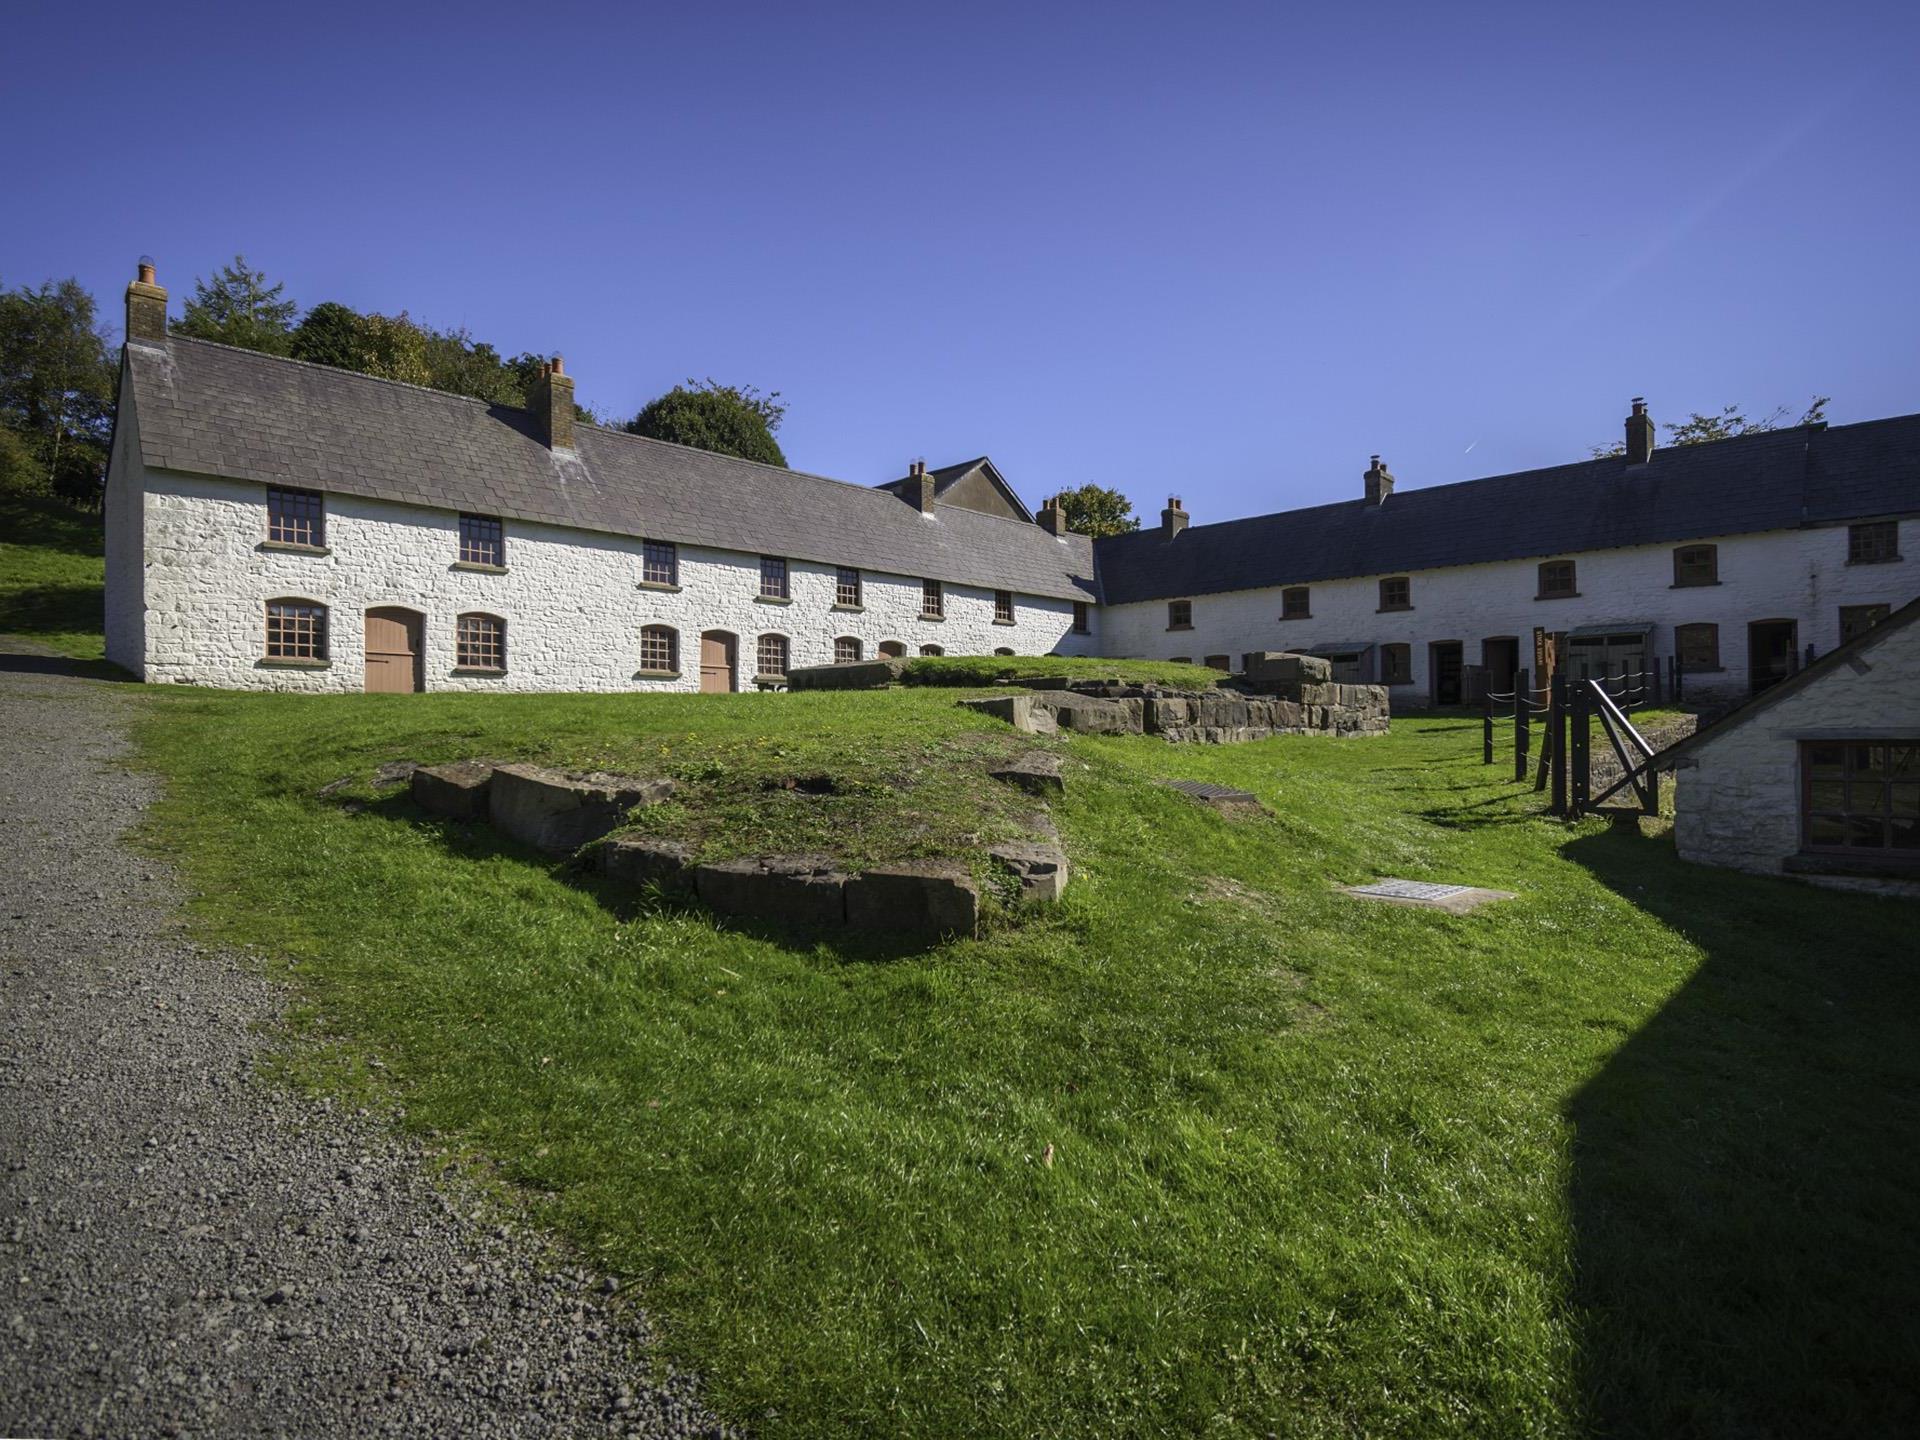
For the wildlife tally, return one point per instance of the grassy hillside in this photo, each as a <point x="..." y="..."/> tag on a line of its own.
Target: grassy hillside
<point x="51" y="575"/>
<point x="1212" y="1150"/>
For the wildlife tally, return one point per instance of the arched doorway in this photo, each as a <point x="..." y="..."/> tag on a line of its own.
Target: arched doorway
<point x="394" y="660"/>
<point x="719" y="662"/>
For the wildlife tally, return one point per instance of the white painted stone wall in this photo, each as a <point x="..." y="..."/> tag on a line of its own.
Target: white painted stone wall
<point x="1799" y="575"/>
<point x="572" y="599"/>
<point x="1737" y="803"/>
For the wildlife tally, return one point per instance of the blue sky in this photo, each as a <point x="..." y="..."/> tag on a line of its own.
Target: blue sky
<point x="1225" y="251"/>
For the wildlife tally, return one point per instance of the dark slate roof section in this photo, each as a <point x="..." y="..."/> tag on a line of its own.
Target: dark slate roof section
<point x="212" y="409"/>
<point x="1778" y="480"/>
<point x="947" y="476"/>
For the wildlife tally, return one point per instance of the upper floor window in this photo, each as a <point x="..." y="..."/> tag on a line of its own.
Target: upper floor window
<point x="1556" y="579"/>
<point x="771" y="656"/>
<point x="773" y="578"/>
<point x="1874" y="543"/>
<point x="295" y="517"/>
<point x="1697" y="647"/>
<point x="1396" y="664"/>
<point x="1293" y="603"/>
<point x="296" y="630"/>
<point x="1396" y="593"/>
<point x="660" y="649"/>
<point x="659" y="563"/>
<point x="1003" y="607"/>
<point x="1080" y="625"/>
<point x="483" y="540"/>
<point x="1696" y="565"/>
<point x="933" y="602"/>
<point x="846" y="649"/>
<point x="1180" y="614"/>
<point x="846" y="586"/>
<point x="1856" y="620"/>
<point x="931" y="650"/>
<point x="480" y="642"/>
<point x="1861" y="795"/>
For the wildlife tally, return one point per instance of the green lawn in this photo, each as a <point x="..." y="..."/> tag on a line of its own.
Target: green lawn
<point x="1632" y="1154"/>
<point x="51" y="575"/>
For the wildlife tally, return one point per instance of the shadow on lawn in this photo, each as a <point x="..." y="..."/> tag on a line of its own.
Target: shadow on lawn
<point x="1746" y="1166"/>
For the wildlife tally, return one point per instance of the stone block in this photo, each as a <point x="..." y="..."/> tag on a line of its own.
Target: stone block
<point x="918" y="897"/>
<point x="797" y="890"/>
<point x="1167" y="712"/>
<point x="1040" y="868"/>
<point x="854" y="675"/>
<point x="1278" y="667"/>
<point x="458" y="791"/>
<point x="1037" y="772"/>
<point x="642" y="861"/>
<point x="556" y="812"/>
<point x="1087" y="715"/>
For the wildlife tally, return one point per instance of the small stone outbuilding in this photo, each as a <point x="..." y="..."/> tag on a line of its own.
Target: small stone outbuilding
<point x="1817" y="777"/>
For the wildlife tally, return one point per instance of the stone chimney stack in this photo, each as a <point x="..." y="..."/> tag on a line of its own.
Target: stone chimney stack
<point x="1173" y="519"/>
<point x="1639" y="433"/>
<point x="1053" y="519"/>
<point x="550" y="399"/>
<point x="919" y="488"/>
<point x="146" y="308"/>
<point x="1379" y="482"/>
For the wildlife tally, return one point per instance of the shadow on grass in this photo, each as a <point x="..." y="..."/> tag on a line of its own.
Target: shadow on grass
<point x="1746" y="1166"/>
<point x="15" y="661"/>
<point x="53" y="609"/>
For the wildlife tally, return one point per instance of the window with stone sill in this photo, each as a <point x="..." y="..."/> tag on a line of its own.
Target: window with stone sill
<point x="296" y="630"/>
<point x="1080" y="625"/>
<point x="771" y="655"/>
<point x="773" y="578"/>
<point x="1696" y="565"/>
<point x="1556" y="579"/>
<point x="1396" y="664"/>
<point x="1179" y="614"/>
<point x="660" y="562"/>
<point x="846" y="586"/>
<point x="1875" y="543"/>
<point x="480" y="642"/>
<point x="1857" y="620"/>
<point x="1396" y="593"/>
<point x="846" y="650"/>
<point x="1003" y="607"/>
<point x="659" y="648"/>
<point x="933" y="601"/>
<point x="1293" y="603"/>
<point x="1697" y="647"/>
<point x="483" y="540"/>
<point x="1861" y="797"/>
<point x="296" y="517"/>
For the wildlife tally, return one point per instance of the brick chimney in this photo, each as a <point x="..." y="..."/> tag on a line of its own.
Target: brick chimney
<point x="1173" y="519"/>
<point x="1053" y="519"/>
<point x="550" y="399"/>
<point x="918" y="491"/>
<point x="146" y="308"/>
<point x="1639" y="433"/>
<point x="1379" y="482"/>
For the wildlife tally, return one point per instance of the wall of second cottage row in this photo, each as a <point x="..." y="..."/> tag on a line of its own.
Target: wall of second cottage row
<point x="1799" y="575"/>
<point x="571" y="599"/>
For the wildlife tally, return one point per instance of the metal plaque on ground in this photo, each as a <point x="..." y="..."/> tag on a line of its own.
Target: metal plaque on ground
<point x="1456" y="899"/>
<point x="1214" y="794"/>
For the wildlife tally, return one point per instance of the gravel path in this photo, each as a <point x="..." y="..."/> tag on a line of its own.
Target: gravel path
<point x="188" y="1250"/>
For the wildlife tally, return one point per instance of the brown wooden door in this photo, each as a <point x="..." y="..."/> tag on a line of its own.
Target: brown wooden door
<point x="393" y="650"/>
<point x="716" y="663"/>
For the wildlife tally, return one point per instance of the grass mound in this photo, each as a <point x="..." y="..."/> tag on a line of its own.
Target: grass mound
<point x="52" y="577"/>
<point x="979" y="670"/>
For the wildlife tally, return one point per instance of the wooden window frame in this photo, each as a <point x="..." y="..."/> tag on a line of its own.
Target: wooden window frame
<point x="847" y="588"/>
<point x="775" y="579"/>
<point x="296" y="518"/>
<point x="843" y="643"/>
<point x="1387" y="602"/>
<point x="780" y="648"/>
<point x="1713" y="647"/>
<point x="483" y="542"/>
<point x="933" y="600"/>
<point x="1401" y="674"/>
<point x="1683" y="579"/>
<point x="478" y="635"/>
<point x="660" y="564"/>
<point x="1179" y="614"/>
<point x="1854" y="611"/>
<point x="1873" y="542"/>
<point x="296" y="631"/>
<point x="660" y="643"/>
<point x="1082" y="624"/>
<point x="1296" y="602"/>
<point x="1003" y="607"/>
<point x="1896" y="789"/>
<point x="1541" y="592"/>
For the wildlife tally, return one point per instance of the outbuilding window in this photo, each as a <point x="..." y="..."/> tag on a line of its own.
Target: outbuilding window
<point x="1396" y="593"/>
<point x="296" y="517"/>
<point x="771" y="655"/>
<point x="1696" y="565"/>
<point x="931" y="650"/>
<point x="1875" y="543"/>
<point x="1860" y="795"/>
<point x="483" y="540"/>
<point x="1003" y="607"/>
<point x="659" y="563"/>
<point x="933" y="603"/>
<point x="1294" y="603"/>
<point x="773" y="578"/>
<point x="480" y="642"/>
<point x="1697" y="647"/>
<point x="1556" y="580"/>
<point x="846" y="650"/>
<point x="296" y="630"/>
<point x="846" y="586"/>
<point x="1396" y="664"/>
<point x="1179" y="614"/>
<point x="660" y="649"/>
<point x="1080" y="617"/>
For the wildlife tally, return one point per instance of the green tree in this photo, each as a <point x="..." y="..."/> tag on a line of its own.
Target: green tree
<point x="1725" y="424"/>
<point x="330" y="334"/>
<point x="1096" y="510"/>
<point x="239" y="307"/>
<point x="727" y="419"/>
<point x="56" y="392"/>
<point x="394" y="348"/>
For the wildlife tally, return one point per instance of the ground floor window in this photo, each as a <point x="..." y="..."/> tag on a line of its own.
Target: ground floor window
<point x="660" y="648"/>
<point x="480" y="642"/>
<point x="771" y="655"/>
<point x="846" y="650"/>
<point x="1856" y="620"/>
<point x="1396" y="664"/>
<point x="931" y="650"/>
<point x="296" y="630"/>
<point x="1697" y="647"/>
<point x="1861" y="795"/>
<point x="1219" y="662"/>
<point x="1003" y="650"/>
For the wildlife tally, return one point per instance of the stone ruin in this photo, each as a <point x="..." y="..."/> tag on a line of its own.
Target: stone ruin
<point x="919" y="900"/>
<point x="1279" y="694"/>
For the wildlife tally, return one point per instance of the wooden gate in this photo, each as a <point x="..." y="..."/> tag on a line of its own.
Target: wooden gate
<point x="718" y="657"/>
<point x="393" y="650"/>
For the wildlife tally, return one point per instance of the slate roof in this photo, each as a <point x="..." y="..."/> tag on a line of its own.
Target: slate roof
<point x="1778" y="480"/>
<point x="947" y="476"/>
<point x="211" y="409"/>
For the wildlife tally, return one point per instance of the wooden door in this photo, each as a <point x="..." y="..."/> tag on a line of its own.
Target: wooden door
<point x="393" y="650"/>
<point x="717" y="663"/>
<point x="1446" y="660"/>
<point x="1771" y="646"/>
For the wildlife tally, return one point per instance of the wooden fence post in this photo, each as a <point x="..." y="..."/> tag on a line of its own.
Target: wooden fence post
<point x="1557" y="742"/>
<point x="1522" y="722"/>
<point x="1579" y="738"/>
<point x="1486" y="730"/>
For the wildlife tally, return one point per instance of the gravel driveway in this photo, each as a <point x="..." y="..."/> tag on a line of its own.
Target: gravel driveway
<point x="188" y="1250"/>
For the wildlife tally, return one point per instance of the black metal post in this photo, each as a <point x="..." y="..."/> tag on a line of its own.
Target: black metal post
<point x="1522" y="722"/>
<point x="1557" y="742"/>
<point x="1579" y="733"/>
<point x="1486" y="729"/>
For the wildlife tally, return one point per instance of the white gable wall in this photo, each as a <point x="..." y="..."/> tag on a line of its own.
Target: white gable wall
<point x="1799" y="575"/>
<point x="571" y="599"/>
<point x="124" y="514"/>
